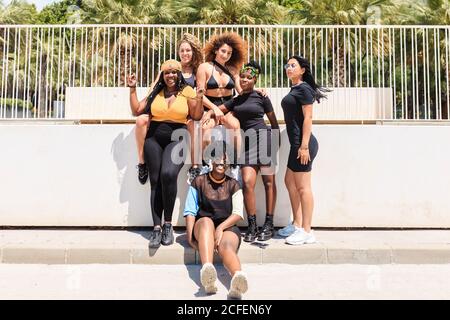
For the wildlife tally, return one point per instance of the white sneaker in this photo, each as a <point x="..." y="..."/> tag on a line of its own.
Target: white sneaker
<point x="205" y="169"/>
<point x="234" y="172"/>
<point x="287" y="231"/>
<point x="239" y="285"/>
<point x="300" y="236"/>
<point x="208" y="277"/>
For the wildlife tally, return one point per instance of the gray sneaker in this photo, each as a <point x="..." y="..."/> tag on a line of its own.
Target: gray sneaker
<point x="192" y="174"/>
<point x="167" y="234"/>
<point x="235" y="172"/>
<point x="155" y="238"/>
<point x="205" y="169"/>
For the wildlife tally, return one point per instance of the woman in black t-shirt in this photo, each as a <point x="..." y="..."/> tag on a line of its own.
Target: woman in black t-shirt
<point x="249" y="108"/>
<point x="297" y="107"/>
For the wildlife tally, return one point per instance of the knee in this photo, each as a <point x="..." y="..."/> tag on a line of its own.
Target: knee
<point x="247" y="184"/>
<point x="232" y="122"/>
<point x="142" y="121"/>
<point x="205" y="226"/>
<point x="225" y="248"/>
<point x="169" y="177"/>
<point x="288" y="182"/>
<point x="153" y="178"/>
<point x="269" y="185"/>
<point x="302" y="191"/>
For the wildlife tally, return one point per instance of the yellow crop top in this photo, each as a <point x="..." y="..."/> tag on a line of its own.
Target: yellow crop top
<point x="179" y="109"/>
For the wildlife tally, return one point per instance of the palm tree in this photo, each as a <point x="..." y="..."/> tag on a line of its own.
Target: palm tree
<point x="17" y="12"/>
<point x="229" y="12"/>
<point x="341" y="12"/>
<point x="127" y="11"/>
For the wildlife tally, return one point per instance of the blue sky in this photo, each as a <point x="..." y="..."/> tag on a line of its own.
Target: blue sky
<point x="39" y="3"/>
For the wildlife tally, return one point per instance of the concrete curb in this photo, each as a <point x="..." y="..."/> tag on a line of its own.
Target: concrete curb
<point x="125" y="247"/>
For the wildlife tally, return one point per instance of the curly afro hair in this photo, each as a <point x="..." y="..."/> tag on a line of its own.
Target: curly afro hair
<point x="232" y="39"/>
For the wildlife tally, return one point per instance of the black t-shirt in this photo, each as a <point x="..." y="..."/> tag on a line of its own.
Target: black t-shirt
<point x="300" y="95"/>
<point x="250" y="109"/>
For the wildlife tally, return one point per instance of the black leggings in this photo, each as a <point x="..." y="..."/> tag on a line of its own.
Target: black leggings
<point x="163" y="172"/>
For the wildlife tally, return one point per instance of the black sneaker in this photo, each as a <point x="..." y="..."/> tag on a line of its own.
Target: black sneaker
<point x="192" y="174"/>
<point x="155" y="238"/>
<point x="252" y="231"/>
<point x="167" y="234"/>
<point x="266" y="231"/>
<point x="142" y="173"/>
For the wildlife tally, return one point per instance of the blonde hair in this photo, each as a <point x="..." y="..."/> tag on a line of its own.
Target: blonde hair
<point x="232" y="39"/>
<point x="197" y="55"/>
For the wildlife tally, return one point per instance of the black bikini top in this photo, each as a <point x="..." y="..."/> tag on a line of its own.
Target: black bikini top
<point x="212" y="82"/>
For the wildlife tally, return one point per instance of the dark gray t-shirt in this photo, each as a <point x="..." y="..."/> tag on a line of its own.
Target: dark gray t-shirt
<point x="249" y="109"/>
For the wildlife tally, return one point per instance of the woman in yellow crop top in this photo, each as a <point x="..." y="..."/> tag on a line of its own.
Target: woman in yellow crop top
<point x="190" y="55"/>
<point x="169" y="105"/>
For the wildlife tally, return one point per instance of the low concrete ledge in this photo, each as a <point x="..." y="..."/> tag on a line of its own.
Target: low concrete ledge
<point x="365" y="176"/>
<point x="131" y="247"/>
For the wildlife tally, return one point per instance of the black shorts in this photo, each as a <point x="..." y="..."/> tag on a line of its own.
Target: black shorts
<point x="233" y="229"/>
<point x="294" y="163"/>
<point x="218" y="100"/>
<point x="253" y="155"/>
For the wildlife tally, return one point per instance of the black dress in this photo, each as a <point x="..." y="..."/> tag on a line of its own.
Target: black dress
<point x="300" y="95"/>
<point x="249" y="109"/>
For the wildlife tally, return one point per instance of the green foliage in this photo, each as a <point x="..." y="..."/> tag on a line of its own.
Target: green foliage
<point x="18" y="12"/>
<point x="336" y="12"/>
<point x="13" y="103"/>
<point x="229" y="12"/>
<point x="58" y="12"/>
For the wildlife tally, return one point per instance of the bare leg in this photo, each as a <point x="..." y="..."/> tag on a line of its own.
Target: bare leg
<point x="249" y="182"/>
<point x="228" y="248"/>
<point x="303" y="185"/>
<point x="204" y="233"/>
<point x="142" y="122"/>
<point x="270" y="188"/>
<point x="232" y="123"/>
<point x="206" y="133"/>
<point x="194" y="129"/>
<point x="289" y="181"/>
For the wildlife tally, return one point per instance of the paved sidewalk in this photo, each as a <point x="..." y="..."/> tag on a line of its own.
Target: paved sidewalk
<point x="180" y="282"/>
<point x="131" y="247"/>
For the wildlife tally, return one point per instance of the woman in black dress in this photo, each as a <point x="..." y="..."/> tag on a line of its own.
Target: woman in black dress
<point x="298" y="108"/>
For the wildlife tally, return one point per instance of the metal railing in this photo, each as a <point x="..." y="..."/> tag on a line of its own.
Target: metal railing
<point x="407" y="66"/>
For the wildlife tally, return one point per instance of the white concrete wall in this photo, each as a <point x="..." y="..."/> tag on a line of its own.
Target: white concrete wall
<point x="341" y="103"/>
<point x="84" y="175"/>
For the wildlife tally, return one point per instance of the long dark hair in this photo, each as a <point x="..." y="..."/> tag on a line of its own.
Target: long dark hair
<point x="160" y="85"/>
<point x="309" y="78"/>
